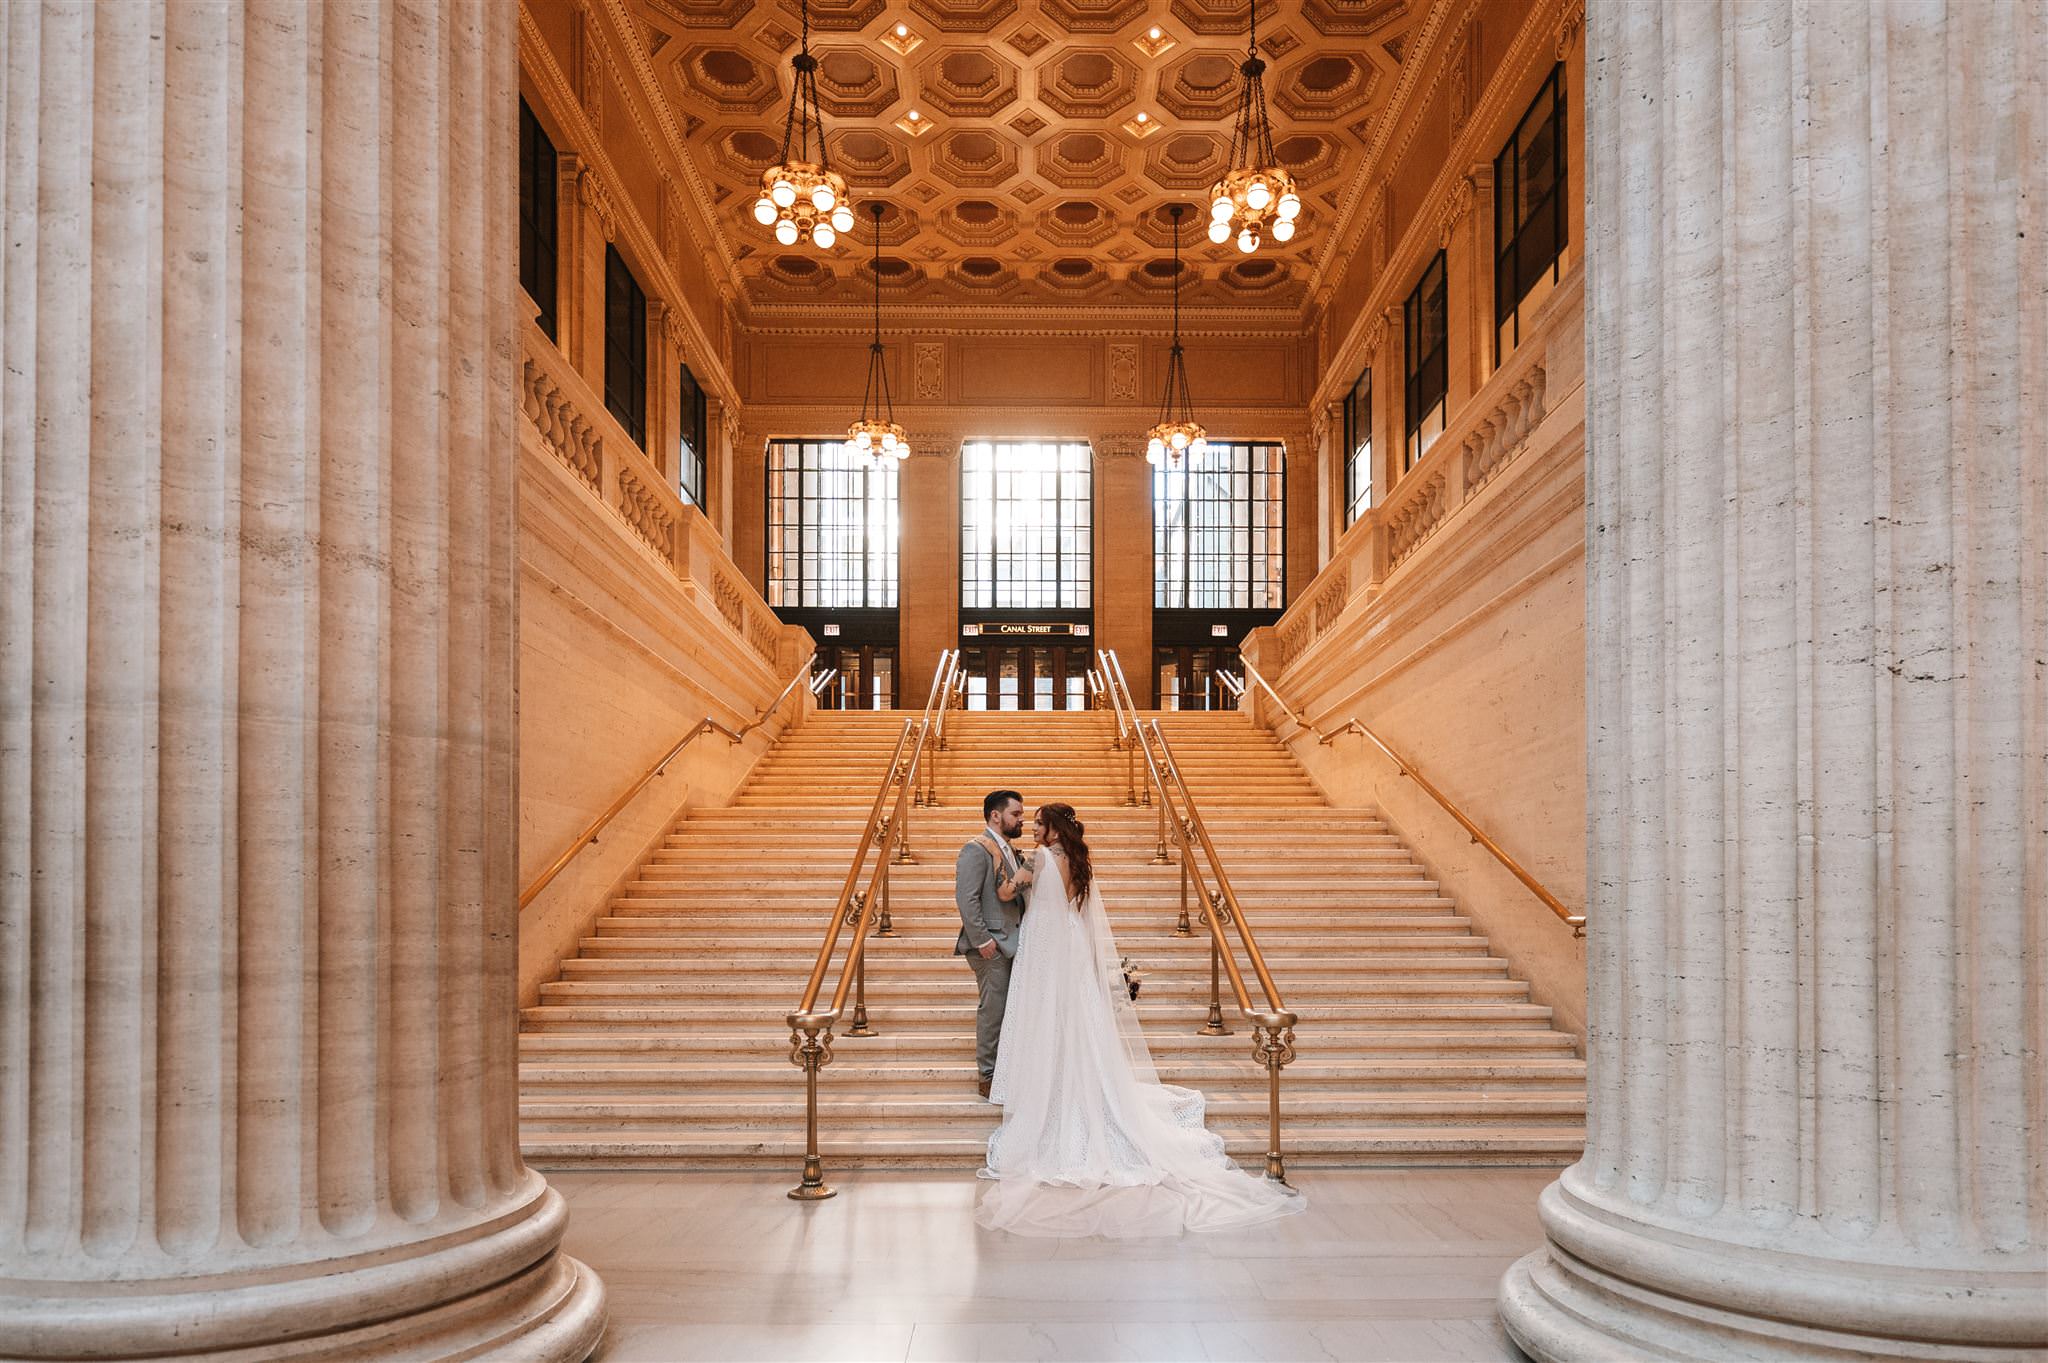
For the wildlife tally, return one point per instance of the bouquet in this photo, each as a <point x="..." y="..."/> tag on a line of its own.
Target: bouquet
<point x="1133" y="977"/>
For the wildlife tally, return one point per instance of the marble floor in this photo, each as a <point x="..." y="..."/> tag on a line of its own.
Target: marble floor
<point x="1393" y="1265"/>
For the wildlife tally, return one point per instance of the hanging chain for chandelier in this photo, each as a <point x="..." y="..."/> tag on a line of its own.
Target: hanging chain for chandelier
<point x="801" y="197"/>
<point x="1257" y="196"/>
<point x="1177" y="433"/>
<point x="876" y="436"/>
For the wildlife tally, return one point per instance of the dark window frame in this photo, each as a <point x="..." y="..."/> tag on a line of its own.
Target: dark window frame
<point x="539" y="234"/>
<point x="1530" y="238"/>
<point x="1427" y="370"/>
<point x="798" y="581"/>
<point x="625" y="346"/>
<point x="1358" y="447"/>
<point x="692" y="438"/>
<point x="1235" y="564"/>
<point x="1073" y="594"/>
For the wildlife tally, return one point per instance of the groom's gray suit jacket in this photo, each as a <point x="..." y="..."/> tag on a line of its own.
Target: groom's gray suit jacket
<point x="983" y="916"/>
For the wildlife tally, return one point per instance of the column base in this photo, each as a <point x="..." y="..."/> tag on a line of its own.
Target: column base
<point x="1561" y="1307"/>
<point x="507" y="1293"/>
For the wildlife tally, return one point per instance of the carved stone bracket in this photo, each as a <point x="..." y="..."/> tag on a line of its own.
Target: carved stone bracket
<point x="1456" y="205"/>
<point x="1569" y="26"/>
<point x="592" y="192"/>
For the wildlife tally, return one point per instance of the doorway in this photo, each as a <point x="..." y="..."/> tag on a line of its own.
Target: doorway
<point x="1034" y="676"/>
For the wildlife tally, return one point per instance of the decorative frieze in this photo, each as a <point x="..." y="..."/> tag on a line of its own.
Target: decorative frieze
<point x="929" y="371"/>
<point x="1123" y="373"/>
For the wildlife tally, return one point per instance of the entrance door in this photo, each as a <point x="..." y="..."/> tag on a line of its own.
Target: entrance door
<point x="1034" y="676"/>
<point x="866" y="680"/>
<point x="1187" y="676"/>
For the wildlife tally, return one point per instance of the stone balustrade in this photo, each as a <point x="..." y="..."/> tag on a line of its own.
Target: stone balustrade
<point x="588" y="441"/>
<point x="1484" y="439"/>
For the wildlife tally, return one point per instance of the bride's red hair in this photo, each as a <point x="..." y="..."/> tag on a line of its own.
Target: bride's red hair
<point x="1062" y="820"/>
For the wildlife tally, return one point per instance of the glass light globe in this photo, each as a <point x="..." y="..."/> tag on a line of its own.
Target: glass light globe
<point x="785" y="232"/>
<point x="849" y="450"/>
<point x="1219" y="231"/>
<point x="1155" y="449"/>
<point x="842" y="219"/>
<point x="1221" y="208"/>
<point x="1247" y="241"/>
<point x="1180" y="440"/>
<point x="1200" y="446"/>
<point x="1283" y="230"/>
<point x="764" y="210"/>
<point x="783" y="192"/>
<point x="888" y="442"/>
<point x="822" y="197"/>
<point x="1257" y="194"/>
<point x="824" y="236"/>
<point x="863" y="440"/>
<point x="1290" y="206"/>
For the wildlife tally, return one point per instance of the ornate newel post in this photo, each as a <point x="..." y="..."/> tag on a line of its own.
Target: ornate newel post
<point x="257" y="779"/>
<point x="1817" y="619"/>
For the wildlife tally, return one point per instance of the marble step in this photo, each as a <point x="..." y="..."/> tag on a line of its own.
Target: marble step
<point x="1172" y="1041"/>
<point x="888" y="960"/>
<point x="1156" y="946"/>
<point x="1308" y="1072"/>
<point x="958" y="1017"/>
<point x="1327" y="1147"/>
<point x="852" y="1105"/>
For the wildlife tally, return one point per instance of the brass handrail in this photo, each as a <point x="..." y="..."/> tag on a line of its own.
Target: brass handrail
<point x="810" y="1027"/>
<point x="1272" y="1028"/>
<point x="597" y="825"/>
<point x="1126" y="724"/>
<point x="1576" y="921"/>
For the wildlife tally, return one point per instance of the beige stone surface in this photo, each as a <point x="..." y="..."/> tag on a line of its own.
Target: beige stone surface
<point x="257" y="695"/>
<point x="1383" y="1267"/>
<point x="1450" y="620"/>
<point x="1817" y="608"/>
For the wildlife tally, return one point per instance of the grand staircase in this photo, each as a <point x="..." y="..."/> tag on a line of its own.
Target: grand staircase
<point x="663" y="1042"/>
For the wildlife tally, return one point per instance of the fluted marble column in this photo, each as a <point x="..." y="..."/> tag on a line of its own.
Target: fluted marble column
<point x="257" y="785"/>
<point x="1818" y="689"/>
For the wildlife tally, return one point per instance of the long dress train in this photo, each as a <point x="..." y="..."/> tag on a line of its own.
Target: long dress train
<point x="1091" y="1142"/>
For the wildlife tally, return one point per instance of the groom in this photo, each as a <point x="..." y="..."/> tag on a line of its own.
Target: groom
<point x="989" y="886"/>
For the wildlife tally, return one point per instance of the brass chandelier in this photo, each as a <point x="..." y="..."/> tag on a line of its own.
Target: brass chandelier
<point x="876" y="436"/>
<point x="1177" y="433"/>
<point x="1257" y="196"/>
<point x="801" y="197"/>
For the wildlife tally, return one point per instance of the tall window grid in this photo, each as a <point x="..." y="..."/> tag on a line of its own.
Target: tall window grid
<point x="1358" y="447"/>
<point x="832" y="528"/>
<point x="537" y="238"/>
<point x="692" y="441"/>
<point x="1426" y="327"/>
<point x="1529" y="214"/>
<point x="1219" y="529"/>
<point x="625" y="347"/>
<point x="1026" y="525"/>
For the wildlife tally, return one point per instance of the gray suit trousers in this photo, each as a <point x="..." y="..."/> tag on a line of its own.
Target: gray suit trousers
<point x="992" y="976"/>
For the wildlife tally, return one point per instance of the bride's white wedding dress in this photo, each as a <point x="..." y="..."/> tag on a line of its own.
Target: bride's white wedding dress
<point x="1091" y="1142"/>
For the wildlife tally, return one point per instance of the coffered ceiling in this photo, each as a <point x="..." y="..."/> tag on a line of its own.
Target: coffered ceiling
<point x="1026" y="150"/>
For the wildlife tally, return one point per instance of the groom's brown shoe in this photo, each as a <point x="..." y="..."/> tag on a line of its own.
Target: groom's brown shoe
<point x="983" y="1086"/>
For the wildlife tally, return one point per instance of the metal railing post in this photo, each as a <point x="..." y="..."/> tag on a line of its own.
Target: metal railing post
<point x="1214" y="1026"/>
<point x="810" y="1046"/>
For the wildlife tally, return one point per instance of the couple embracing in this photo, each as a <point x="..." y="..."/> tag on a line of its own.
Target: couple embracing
<point x="1091" y="1143"/>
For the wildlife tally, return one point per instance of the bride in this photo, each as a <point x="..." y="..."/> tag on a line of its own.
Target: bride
<point x="1091" y="1142"/>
